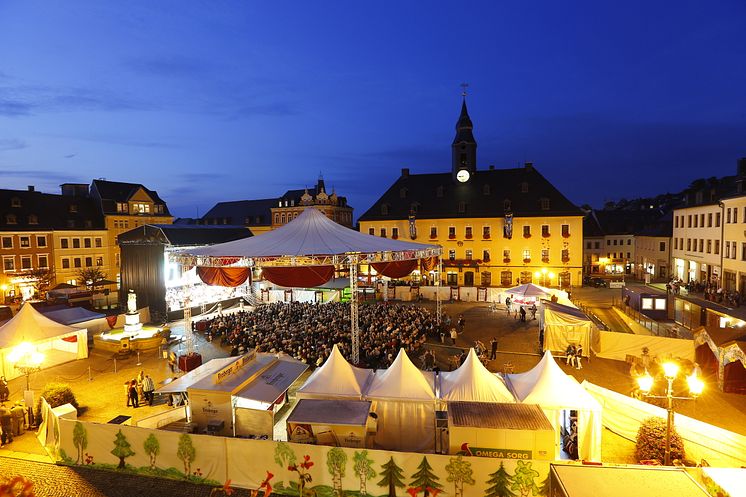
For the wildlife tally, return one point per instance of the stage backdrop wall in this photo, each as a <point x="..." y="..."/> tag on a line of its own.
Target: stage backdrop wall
<point x="286" y="467"/>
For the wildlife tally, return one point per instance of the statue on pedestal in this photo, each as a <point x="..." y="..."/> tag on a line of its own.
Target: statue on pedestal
<point x="131" y="302"/>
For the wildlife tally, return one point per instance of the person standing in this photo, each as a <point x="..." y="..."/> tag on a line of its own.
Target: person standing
<point x="133" y="394"/>
<point x="578" y="356"/>
<point x="148" y="387"/>
<point x="6" y="425"/>
<point x="127" y="391"/>
<point x="493" y="348"/>
<point x="4" y="390"/>
<point x="454" y="335"/>
<point x="533" y="310"/>
<point x="570" y="355"/>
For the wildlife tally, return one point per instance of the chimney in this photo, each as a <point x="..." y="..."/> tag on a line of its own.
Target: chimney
<point x="31" y="188"/>
<point x="405" y="172"/>
<point x="492" y="167"/>
<point x="528" y="165"/>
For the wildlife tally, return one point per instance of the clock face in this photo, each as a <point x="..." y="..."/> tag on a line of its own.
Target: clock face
<point x="463" y="176"/>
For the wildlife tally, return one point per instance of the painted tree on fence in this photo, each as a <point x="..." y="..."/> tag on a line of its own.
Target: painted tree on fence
<point x="122" y="449"/>
<point x="523" y="479"/>
<point x="186" y="453"/>
<point x="80" y="440"/>
<point x="336" y="461"/>
<point x="152" y="449"/>
<point x="460" y="473"/>
<point x="363" y="469"/>
<point x="501" y="482"/>
<point x="393" y="477"/>
<point x="425" y="478"/>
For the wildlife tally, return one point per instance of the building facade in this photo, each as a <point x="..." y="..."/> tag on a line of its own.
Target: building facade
<point x="697" y="236"/>
<point x="734" y="243"/>
<point x="497" y="227"/>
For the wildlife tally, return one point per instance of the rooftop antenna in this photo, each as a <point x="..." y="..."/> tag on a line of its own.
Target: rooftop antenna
<point x="464" y="86"/>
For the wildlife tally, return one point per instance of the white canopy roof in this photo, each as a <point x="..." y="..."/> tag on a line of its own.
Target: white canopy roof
<point x="402" y="381"/>
<point x="547" y="385"/>
<point x="29" y="325"/>
<point x="310" y="234"/>
<point x="528" y="290"/>
<point x="336" y="378"/>
<point x="473" y="382"/>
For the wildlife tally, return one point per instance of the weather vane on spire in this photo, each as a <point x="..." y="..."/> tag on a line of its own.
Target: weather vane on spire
<point x="464" y="86"/>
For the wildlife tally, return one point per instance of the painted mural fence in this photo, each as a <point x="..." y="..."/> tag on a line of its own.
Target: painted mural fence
<point x="289" y="468"/>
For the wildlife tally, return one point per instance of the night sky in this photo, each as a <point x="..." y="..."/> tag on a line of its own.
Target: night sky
<point x="228" y="100"/>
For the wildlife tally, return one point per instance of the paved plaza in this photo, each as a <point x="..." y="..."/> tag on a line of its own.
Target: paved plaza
<point x="98" y="384"/>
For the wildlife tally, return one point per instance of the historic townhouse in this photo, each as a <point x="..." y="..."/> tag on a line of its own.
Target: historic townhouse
<point x="734" y="243"/>
<point x="498" y="227"/>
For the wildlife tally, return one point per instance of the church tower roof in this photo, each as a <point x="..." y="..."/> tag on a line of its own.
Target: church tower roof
<point x="464" y="126"/>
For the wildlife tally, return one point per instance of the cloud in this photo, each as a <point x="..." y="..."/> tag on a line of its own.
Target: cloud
<point x="114" y="140"/>
<point x="11" y="144"/>
<point x="176" y="66"/>
<point x="52" y="178"/>
<point x="22" y="100"/>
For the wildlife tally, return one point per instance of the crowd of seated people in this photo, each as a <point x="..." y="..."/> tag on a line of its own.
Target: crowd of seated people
<point x="308" y="331"/>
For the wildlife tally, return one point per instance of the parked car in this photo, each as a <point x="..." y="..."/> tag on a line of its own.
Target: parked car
<point x="598" y="282"/>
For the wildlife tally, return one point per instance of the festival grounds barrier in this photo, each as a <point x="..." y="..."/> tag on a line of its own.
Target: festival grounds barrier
<point x="623" y="416"/>
<point x="289" y="468"/>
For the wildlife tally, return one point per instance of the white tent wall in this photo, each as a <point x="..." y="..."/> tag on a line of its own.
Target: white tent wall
<point x="613" y="345"/>
<point x="405" y="425"/>
<point x="623" y="415"/>
<point x="562" y="329"/>
<point x="56" y="351"/>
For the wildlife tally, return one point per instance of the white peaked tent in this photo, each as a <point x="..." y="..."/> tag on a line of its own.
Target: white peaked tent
<point x="336" y="379"/>
<point x="473" y="382"/>
<point x="554" y="391"/>
<point x="528" y="290"/>
<point x="564" y="325"/>
<point x="58" y="342"/>
<point x="405" y="405"/>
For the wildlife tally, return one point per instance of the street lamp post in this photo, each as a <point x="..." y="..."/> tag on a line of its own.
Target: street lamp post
<point x="670" y="370"/>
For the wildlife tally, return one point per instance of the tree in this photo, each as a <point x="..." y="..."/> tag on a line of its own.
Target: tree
<point x="363" y="469"/>
<point x="460" y="473"/>
<point x="186" y="453"/>
<point x="80" y="440"/>
<point x="501" y="482"/>
<point x="336" y="460"/>
<point x="122" y="449"/>
<point x="152" y="449"/>
<point x="523" y="479"/>
<point x="651" y="441"/>
<point x="393" y="477"/>
<point x="91" y="277"/>
<point x="42" y="279"/>
<point x="425" y="478"/>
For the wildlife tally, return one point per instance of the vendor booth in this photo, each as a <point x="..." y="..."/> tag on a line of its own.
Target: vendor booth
<point x="504" y="431"/>
<point x="238" y="396"/>
<point x="473" y="382"/>
<point x="336" y="379"/>
<point x="338" y="423"/>
<point x="564" y="401"/>
<point x="564" y="325"/>
<point x="405" y="406"/>
<point x="58" y="343"/>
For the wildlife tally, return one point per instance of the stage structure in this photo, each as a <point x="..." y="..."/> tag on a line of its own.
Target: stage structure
<point x="306" y="253"/>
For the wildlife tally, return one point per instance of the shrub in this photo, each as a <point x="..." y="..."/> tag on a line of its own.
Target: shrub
<point x="57" y="394"/>
<point x="651" y="441"/>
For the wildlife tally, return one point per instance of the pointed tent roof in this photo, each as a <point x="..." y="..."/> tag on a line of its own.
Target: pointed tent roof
<point x="528" y="290"/>
<point x="29" y="325"/>
<point x="547" y="385"/>
<point x="337" y="377"/>
<point x="473" y="382"/>
<point x="310" y="234"/>
<point x="402" y="380"/>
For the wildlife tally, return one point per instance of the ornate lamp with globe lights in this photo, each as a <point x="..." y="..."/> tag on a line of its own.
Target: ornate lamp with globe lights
<point x="26" y="359"/>
<point x="670" y="371"/>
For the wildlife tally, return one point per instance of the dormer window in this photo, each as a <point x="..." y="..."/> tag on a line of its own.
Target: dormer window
<point x="414" y="207"/>
<point x="122" y="207"/>
<point x="15" y="202"/>
<point x="384" y="209"/>
<point x="486" y="190"/>
<point x="403" y="192"/>
<point x="507" y="205"/>
<point x="10" y="218"/>
<point x="524" y="187"/>
<point x="439" y="192"/>
<point x="73" y="208"/>
<point x="544" y="204"/>
<point x="279" y="204"/>
<point x="33" y="219"/>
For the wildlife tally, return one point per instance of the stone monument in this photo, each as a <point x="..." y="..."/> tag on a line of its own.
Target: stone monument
<point x="132" y="324"/>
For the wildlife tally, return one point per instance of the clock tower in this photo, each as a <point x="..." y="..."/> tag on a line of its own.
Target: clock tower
<point x="463" y="148"/>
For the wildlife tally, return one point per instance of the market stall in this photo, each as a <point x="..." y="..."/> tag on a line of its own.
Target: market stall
<point x="473" y="382"/>
<point x="59" y="343"/>
<point x="339" y="423"/>
<point x="336" y="379"/>
<point x="564" y="325"/>
<point x="405" y="406"/>
<point x="505" y="431"/>
<point x="560" y="396"/>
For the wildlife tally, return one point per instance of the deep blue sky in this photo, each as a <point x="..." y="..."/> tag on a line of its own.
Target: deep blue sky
<point x="226" y="100"/>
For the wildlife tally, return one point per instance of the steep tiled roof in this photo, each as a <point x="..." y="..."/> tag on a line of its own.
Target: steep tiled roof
<point x="51" y="212"/>
<point x="246" y="212"/>
<point x="184" y="235"/>
<point x="486" y="194"/>
<point x="111" y="192"/>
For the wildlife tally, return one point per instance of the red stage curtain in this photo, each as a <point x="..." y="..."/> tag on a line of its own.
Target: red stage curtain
<point x="111" y="321"/>
<point x="395" y="269"/>
<point x="429" y="263"/>
<point x="298" y="277"/>
<point x="223" y="276"/>
<point x="71" y="339"/>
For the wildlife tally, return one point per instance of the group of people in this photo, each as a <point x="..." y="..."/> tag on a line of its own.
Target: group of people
<point x="142" y="388"/>
<point x="308" y="331"/>
<point x="519" y="309"/>
<point x="710" y="291"/>
<point x="13" y="421"/>
<point x="574" y="355"/>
